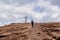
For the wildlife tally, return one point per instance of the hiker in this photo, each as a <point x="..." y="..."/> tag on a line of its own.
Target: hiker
<point x="32" y="23"/>
<point x="25" y="19"/>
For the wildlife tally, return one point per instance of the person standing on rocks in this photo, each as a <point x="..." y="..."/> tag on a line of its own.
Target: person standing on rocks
<point x="32" y="23"/>
<point x="25" y="19"/>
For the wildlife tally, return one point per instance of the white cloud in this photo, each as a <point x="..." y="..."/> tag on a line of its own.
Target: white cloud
<point x="16" y="11"/>
<point x="54" y="15"/>
<point x="53" y="11"/>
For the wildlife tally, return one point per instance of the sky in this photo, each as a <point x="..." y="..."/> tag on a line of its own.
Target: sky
<point x="14" y="11"/>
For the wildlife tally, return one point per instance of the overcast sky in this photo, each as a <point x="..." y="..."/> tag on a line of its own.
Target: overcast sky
<point x="39" y="10"/>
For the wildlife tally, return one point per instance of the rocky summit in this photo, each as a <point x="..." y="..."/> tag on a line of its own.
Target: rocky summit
<point x="24" y="31"/>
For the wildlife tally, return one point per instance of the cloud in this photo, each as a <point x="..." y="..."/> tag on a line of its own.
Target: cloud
<point x="55" y="2"/>
<point x="39" y="10"/>
<point x="16" y="2"/>
<point x="11" y="13"/>
<point x="52" y="11"/>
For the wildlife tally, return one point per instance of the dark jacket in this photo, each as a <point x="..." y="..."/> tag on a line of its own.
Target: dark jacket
<point x="32" y="23"/>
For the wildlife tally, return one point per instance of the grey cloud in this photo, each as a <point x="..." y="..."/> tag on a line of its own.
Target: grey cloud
<point x="13" y="14"/>
<point x="17" y="2"/>
<point x="39" y="9"/>
<point x="55" y="2"/>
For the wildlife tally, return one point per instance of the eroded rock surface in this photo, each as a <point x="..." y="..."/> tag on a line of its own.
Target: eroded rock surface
<point x="24" y="31"/>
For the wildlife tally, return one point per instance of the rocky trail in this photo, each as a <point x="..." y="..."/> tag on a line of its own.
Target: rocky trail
<point x="24" y="31"/>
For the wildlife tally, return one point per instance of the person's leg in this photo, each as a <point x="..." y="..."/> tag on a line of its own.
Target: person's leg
<point x="32" y="23"/>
